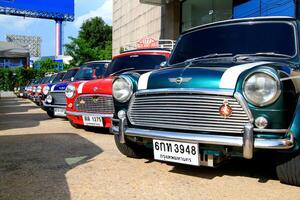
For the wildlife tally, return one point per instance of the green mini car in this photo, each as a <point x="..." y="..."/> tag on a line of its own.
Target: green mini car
<point x="230" y="89"/>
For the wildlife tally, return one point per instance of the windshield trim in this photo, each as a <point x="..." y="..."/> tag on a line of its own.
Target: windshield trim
<point x="291" y="23"/>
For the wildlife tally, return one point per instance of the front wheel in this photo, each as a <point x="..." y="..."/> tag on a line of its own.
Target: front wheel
<point x="50" y="113"/>
<point x="288" y="168"/>
<point x="131" y="149"/>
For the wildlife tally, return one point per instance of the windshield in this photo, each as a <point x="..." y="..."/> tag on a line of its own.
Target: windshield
<point x="52" y="78"/>
<point x="70" y="74"/>
<point x="46" y="79"/>
<point x="58" y="77"/>
<point x="99" y="67"/>
<point x="235" y="39"/>
<point x="85" y="74"/>
<point x="135" y="62"/>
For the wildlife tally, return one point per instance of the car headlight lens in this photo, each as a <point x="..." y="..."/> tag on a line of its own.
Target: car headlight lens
<point x="34" y="89"/>
<point x="39" y="89"/>
<point x="262" y="89"/>
<point x="70" y="91"/>
<point x="122" y="89"/>
<point x="46" y="90"/>
<point x="49" y="99"/>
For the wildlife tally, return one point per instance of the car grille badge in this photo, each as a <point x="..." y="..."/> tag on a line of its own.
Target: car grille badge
<point x="225" y="110"/>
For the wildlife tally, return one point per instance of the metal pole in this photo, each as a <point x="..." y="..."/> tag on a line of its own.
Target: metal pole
<point x="58" y="37"/>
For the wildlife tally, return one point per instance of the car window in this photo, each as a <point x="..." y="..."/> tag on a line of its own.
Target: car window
<point x="70" y="74"/>
<point x="240" y="38"/>
<point x="135" y="62"/>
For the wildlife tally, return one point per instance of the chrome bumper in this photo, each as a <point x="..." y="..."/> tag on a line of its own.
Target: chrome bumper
<point x="88" y="114"/>
<point x="53" y="106"/>
<point x="247" y="142"/>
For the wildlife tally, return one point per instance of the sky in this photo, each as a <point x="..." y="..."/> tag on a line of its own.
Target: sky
<point x="84" y="9"/>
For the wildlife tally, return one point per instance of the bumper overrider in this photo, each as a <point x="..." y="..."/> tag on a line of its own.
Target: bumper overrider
<point x="247" y="140"/>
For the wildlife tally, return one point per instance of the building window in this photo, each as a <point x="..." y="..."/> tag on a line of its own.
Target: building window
<point x="195" y="12"/>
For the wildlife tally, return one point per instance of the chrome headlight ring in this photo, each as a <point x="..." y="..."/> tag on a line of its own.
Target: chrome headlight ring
<point x="122" y="89"/>
<point x="46" y="90"/>
<point x="261" y="88"/>
<point x="70" y="91"/>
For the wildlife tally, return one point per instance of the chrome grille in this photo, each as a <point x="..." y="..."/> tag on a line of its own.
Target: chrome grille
<point x="195" y="112"/>
<point x="59" y="98"/>
<point x="95" y="103"/>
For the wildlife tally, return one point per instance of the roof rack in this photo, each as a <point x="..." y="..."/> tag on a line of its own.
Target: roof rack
<point x="150" y="43"/>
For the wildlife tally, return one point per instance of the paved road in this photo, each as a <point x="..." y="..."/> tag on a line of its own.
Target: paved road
<point x="42" y="158"/>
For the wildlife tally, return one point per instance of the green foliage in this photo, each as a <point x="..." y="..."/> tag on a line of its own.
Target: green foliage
<point x="94" y="42"/>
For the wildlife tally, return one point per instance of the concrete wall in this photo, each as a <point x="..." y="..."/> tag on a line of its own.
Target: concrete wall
<point x="133" y="21"/>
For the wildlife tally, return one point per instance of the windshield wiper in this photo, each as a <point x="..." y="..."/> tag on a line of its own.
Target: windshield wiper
<point x="273" y="54"/>
<point x="123" y="70"/>
<point x="213" y="55"/>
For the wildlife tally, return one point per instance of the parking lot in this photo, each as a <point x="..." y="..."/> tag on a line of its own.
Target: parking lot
<point x="42" y="158"/>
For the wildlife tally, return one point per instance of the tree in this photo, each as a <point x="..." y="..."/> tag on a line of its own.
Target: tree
<point x="94" y="42"/>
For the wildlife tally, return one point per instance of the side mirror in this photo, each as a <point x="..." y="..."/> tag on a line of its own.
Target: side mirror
<point x="163" y="64"/>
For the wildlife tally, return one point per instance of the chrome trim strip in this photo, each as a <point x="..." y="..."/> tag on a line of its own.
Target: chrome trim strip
<point x="270" y="130"/>
<point x="222" y="92"/>
<point x="244" y="105"/>
<point x="259" y="143"/>
<point x="54" y="106"/>
<point x="88" y="114"/>
<point x="93" y="95"/>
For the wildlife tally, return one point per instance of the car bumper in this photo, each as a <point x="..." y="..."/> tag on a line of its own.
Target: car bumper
<point x="76" y="117"/>
<point x="247" y="141"/>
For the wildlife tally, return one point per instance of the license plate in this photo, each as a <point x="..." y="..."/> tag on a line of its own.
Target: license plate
<point x="61" y="112"/>
<point x="92" y="121"/>
<point x="178" y="152"/>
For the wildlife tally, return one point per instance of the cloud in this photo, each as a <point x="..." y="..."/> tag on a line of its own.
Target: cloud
<point x="14" y="22"/>
<point x="104" y="11"/>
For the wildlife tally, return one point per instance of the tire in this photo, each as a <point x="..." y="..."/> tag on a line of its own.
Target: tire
<point x="74" y="125"/>
<point x="50" y="113"/>
<point x="288" y="168"/>
<point x="129" y="149"/>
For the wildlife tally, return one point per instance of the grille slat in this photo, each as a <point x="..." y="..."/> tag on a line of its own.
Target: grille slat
<point x="59" y="98"/>
<point x="186" y="112"/>
<point x="100" y="104"/>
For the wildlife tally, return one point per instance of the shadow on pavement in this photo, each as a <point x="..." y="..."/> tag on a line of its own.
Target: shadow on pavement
<point x="34" y="166"/>
<point x="14" y="105"/>
<point x="261" y="168"/>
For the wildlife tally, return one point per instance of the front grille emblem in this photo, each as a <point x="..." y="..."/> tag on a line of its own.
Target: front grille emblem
<point x="95" y="89"/>
<point x="179" y="80"/>
<point x="82" y="102"/>
<point x="225" y="110"/>
<point x="95" y="99"/>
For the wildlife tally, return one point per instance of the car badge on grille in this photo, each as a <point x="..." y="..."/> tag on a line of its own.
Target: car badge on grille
<point x="95" y="99"/>
<point x="179" y="80"/>
<point x="82" y="102"/>
<point x="225" y="110"/>
<point x="95" y="89"/>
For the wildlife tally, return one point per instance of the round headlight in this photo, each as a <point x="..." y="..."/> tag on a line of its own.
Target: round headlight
<point x="39" y="89"/>
<point x="122" y="89"/>
<point x="46" y="90"/>
<point x="49" y="99"/>
<point x="34" y="89"/>
<point x="262" y="89"/>
<point x="70" y="91"/>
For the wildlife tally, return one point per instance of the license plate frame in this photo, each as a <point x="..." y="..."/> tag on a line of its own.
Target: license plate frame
<point x="60" y="112"/>
<point x="92" y="120"/>
<point x="176" y="152"/>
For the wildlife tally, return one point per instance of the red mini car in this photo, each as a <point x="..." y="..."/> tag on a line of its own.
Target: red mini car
<point x="92" y="102"/>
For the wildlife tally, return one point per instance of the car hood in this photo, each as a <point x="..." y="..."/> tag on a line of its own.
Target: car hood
<point x="99" y="86"/>
<point x="60" y="86"/>
<point x="205" y="77"/>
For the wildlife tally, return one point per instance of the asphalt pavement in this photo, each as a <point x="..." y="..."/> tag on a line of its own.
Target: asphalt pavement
<point x="43" y="158"/>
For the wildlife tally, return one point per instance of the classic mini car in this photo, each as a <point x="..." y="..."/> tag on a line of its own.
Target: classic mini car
<point x="38" y="88"/>
<point x="230" y="89"/>
<point x="91" y="103"/>
<point x="55" y="100"/>
<point x="46" y="85"/>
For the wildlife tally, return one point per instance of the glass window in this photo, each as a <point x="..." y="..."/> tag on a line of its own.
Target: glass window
<point x="195" y="12"/>
<point x="242" y="38"/>
<point x="70" y="74"/>
<point x="135" y="63"/>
